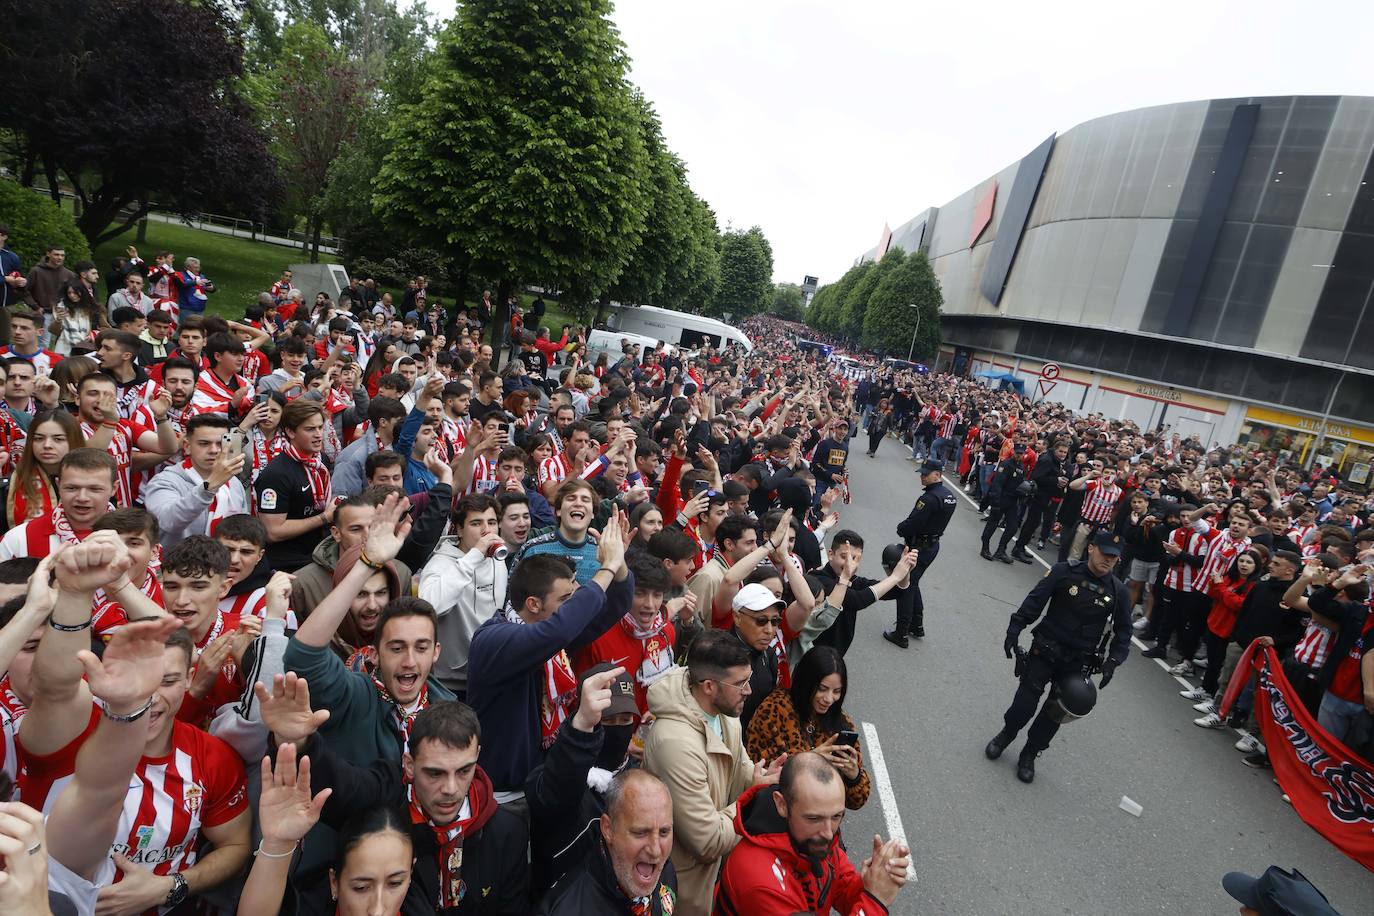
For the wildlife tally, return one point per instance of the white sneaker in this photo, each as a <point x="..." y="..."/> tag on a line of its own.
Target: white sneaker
<point x="1140" y="625"/>
<point x="1211" y="720"/>
<point x="1206" y="706"/>
<point x="1248" y="744"/>
<point x="1182" y="669"/>
<point x="1195" y="693"/>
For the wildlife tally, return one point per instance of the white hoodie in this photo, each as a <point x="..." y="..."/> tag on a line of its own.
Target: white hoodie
<point x="465" y="589"/>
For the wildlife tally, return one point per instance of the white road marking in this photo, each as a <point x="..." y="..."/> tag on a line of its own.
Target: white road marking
<point x="1134" y="639"/>
<point x="886" y="797"/>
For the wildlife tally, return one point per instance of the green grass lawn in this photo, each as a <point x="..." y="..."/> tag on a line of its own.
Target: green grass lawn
<point x="241" y="268"/>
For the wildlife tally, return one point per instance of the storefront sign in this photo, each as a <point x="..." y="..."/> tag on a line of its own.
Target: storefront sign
<point x="1160" y="394"/>
<point x="1310" y="424"/>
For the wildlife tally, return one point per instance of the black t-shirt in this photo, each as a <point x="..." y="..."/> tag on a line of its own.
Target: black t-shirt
<point x="478" y="411"/>
<point x="535" y="362"/>
<point x="283" y="488"/>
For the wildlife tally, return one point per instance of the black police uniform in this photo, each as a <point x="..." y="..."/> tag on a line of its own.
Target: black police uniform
<point x="1004" y="501"/>
<point x="921" y="530"/>
<point x="1070" y="640"/>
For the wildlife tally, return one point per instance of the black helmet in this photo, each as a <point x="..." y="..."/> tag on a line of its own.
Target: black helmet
<point x="1074" y="697"/>
<point x="891" y="554"/>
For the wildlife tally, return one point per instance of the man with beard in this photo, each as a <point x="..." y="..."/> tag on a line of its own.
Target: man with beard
<point x="695" y="747"/>
<point x="469" y="853"/>
<point x="790" y="858"/>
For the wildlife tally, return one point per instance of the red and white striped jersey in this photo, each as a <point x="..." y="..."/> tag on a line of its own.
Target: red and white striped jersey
<point x="108" y="615"/>
<point x="12" y="439"/>
<point x="1298" y="533"/>
<point x="453" y="437"/>
<point x="12" y="711"/>
<point x="553" y="469"/>
<point x="484" y="477"/>
<point x="253" y="604"/>
<point x="1221" y="550"/>
<point x="255" y="366"/>
<point x="1314" y="646"/>
<point x="930" y="412"/>
<point x="199" y="784"/>
<point x="1182" y="577"/>
<point x="947" y="423"/>
<point x="212" y="395"/>
<point x="43" y="360"/>
<point x="121" y="447"/>
<point x="130" y="398"/>
<point x="1099" y="501"/>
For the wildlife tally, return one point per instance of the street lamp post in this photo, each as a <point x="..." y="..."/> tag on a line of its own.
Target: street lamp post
<point x="911" y="352"/>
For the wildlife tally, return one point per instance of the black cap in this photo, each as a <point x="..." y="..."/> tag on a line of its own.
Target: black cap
<point x="1277" y="893"/>
<point x="1108" y="542"/>
<point x="930" y="467"/>
<point x="622" y="692"/>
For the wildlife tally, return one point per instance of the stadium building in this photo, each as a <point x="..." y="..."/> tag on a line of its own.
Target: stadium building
<point x="1205" y="266"/>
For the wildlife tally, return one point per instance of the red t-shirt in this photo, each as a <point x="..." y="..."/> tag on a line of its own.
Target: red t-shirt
<point x="1346" y="682"/>
<point x="644" y="660"/>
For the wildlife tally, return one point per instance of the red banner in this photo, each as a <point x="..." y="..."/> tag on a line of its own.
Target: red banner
<point x="1331" y="787"/>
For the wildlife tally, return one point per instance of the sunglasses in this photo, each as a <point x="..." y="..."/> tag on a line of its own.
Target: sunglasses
<point x="765" y="621"/>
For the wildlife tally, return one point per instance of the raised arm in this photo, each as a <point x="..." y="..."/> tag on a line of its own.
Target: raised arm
<point x="28" y="618"/>
<point x="86" y="815"/>
<point x="384" y="538"/>
<point x="61" y="705"/>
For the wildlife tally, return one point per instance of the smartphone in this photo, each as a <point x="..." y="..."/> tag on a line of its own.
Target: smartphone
<point x="700" y="486"/>
<point x="510" y="433"/>
<point x="232" y="442"/>
<point x="848" y="737"/>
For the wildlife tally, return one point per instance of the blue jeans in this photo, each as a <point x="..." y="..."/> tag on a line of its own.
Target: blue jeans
<point x="1337" y="716"/>
<point x="985" y="473"/>
<point x="937" y="450"/>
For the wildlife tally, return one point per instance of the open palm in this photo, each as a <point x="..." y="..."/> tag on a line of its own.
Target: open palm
<point x="286" y="809"/>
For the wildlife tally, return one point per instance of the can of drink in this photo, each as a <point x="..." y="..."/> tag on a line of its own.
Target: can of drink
<point x="498" y="551"/>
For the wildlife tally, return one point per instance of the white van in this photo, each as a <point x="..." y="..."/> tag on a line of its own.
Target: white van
<point x="681" y="329"/>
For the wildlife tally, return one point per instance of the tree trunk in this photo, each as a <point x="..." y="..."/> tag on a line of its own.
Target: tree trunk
<point x="315" y="239"/>
<point x="142" y="237"/>
<point x="30" y="166"/>
<point x="50" y="172"/>
<point x="500" y="319"/>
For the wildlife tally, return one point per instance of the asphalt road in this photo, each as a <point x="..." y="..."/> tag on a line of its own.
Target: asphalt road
<point x="983" y="843"/>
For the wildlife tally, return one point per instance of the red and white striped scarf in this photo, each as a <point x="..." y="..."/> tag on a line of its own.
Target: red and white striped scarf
<point x="1220" y="552"/>
<point x="212" y="395"/>
<point x="314" y="469"/>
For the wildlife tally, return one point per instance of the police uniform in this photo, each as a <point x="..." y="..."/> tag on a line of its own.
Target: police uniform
<point x="921" y="530"/>
<point x="1088" y="615"/>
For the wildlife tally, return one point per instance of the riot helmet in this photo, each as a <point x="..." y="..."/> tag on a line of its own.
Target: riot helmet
<point x="1073" y="697"/>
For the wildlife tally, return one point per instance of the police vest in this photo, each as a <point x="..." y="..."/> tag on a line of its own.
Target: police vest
<point x="1079" y="612"/>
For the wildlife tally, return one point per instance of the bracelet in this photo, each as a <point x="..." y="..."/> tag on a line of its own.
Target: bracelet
<point x="131" y="717"/>
<point x="69" y="628"/>
<point x="275" y="855"/>
<point x="368" y="561"/>
<point x="842" y="582"/>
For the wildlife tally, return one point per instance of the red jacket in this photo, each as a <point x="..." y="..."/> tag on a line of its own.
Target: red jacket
<point x="764" y="875"/>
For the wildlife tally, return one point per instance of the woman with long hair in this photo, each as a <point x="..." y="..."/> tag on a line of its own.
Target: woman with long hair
<point x="378" y="366"/>
<point x="646" y="520"/>
<point x="75" y="319"/>
<point x="539" y="447"/>
<point x="603" y="364"/>
<point x="1228" y="591"/>
<point x="263" y="428"/>
<point x="810" y="716"/>
<point x="375" y="853"/>
<point x="33" y="486"/>
<point x="879" y="422"/>
<point x="67" y="375"/>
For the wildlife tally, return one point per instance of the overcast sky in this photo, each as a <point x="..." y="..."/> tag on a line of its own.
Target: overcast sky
<point x="820" y="121"/>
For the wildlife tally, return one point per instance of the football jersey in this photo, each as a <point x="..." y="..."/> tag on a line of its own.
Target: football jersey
<point x="201" y="783"/>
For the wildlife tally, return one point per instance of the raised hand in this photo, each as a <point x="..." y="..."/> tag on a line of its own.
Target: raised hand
<point x="24" y="876"/>
<point x="94" y="563"/>
<point x="130" y="670"/>
<point x="286" y="810"/>
<point x="286" y="710"/>
<point x="595" y="699"/>
<point x="610" y="549"/>
<point x="388" y="530"/>
<point x="278" y="595"/>
<point x="778" y="536"/>
<point x="210" y="663"/>
<point x="766" y="774"/>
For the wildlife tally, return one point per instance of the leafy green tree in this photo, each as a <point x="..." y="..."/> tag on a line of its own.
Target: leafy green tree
<point x="132" y="103"/>
<point x="816" y="312"/>
<point x="746" y="274"/>
<point x="695" y="277"/>
<point x="787" y="302"/>
<point x="524" y="155"/>
<point x="36" y="223"/>
<point x="890" y="322"/>
<point x="851" y="319"/>
<point x="319" y="98"/>
<point x="828" y="316"/>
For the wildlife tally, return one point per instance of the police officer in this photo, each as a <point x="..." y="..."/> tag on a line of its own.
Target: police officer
<point x="921" y="531"/>
<point x="1004" y="497"/>
<point x="1089" y="614"/>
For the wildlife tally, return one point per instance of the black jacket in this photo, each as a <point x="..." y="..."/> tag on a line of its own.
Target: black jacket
<point x="593" y="889"/>
<point x="1262" y="614"/>
<point x="563" y="810"/>
<point x="494" y="850"/>
<point x="1002" y="489"/>
<point x="1351" y="617"/>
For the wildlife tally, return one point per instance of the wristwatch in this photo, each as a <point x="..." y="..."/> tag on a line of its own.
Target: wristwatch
<point x="178" y="893"/>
